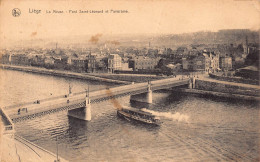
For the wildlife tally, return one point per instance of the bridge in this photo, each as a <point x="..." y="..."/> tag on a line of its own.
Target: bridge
<point x="79" y="106"/>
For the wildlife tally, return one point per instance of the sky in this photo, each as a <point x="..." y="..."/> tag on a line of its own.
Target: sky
<point x="143" y="17"/>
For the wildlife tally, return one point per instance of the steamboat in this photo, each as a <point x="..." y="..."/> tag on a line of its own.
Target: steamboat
<point x="138" y="115"/>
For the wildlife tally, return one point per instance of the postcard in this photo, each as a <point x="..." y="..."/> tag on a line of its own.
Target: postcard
<point x="129" y="80"/>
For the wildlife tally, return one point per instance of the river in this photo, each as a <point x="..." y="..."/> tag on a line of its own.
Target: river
<point x="194" y="128"/>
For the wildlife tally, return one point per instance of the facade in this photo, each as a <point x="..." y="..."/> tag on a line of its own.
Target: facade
<point x="225" y="63"/>
<point x="91" y="63"/>
<point x="5" y="59"/>
<point x="207" y="62"/>
<point x="114" y="62"/>
<point x="17" y="59"/>
<point x="202" y="63"/>
<point x="142" y="62"/>
<point x="187" y="64"/>
<point x="125" y="66"/>
<point x="79" y="64"/>
<point x="214" y="62"/>
<point x="49" y="60"/>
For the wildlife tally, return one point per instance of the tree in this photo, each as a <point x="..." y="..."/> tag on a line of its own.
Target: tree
<point x="252" y="58"/>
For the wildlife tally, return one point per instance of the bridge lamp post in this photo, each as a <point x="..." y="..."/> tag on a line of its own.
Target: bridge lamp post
<point x="149" y="93"/>
<point x="87" y="109"/>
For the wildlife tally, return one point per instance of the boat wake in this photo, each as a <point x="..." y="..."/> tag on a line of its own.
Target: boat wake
<point x="175" y="117"/>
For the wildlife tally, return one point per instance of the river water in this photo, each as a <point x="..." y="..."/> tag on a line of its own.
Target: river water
<point x="194" y="128"/>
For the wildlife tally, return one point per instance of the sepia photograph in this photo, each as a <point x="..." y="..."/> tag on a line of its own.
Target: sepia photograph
<point x="129" y="80"/>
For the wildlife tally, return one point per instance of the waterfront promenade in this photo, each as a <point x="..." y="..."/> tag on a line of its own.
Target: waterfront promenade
<point x="61" y="73"/>
<point x="208" y="78"/>
<point x="101" y="77"/>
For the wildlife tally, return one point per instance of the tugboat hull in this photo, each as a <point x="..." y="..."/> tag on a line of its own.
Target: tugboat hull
<point x="138" y="117"/>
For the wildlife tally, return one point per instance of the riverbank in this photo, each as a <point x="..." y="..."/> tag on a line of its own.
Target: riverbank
<point x="208" y="86"/>
<point x="203" y="83"/>
<point x="234" y="79"/>
<point x="218" y="94"/>
<point x="61" y="73"/>
<point x="102" y="77"/>
<point x="233" y="88"/>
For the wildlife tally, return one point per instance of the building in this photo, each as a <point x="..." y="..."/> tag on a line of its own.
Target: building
<point x="187" y="64"/>
<point x="125" y="66"/>
<point x="225" y="63"/>
<point x="214" y="62"/>
<point x="114" y="63"/>
<point x="202" y="63"/>
<point x="36" y="59"/>
<point x="78" y="64"/>
<point x="18" y="59"/>
<point x="206" y="61"/>
<point x="49" y="60"/>
<point x="91" y="63"/>
<point x="5" y="58"/>
<point x="142" y="62"/>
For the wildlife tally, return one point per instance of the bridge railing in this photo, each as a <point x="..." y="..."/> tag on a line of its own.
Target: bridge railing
<point x="40" y="108"/>
<point x="77" y="93"/>
<point x="21" y="105"/>
<point x="169" y="84"/>
<point x="104" y="94"/>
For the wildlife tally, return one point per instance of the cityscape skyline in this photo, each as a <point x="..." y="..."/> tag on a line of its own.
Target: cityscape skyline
<point x="145" y="17"/>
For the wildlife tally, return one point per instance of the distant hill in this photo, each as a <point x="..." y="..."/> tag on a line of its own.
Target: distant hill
<point x="234" y="36"/>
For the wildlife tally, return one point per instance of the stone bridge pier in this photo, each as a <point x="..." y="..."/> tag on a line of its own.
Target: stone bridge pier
<point x="144" y="97"/>
<point x="192" y="82"/>
<point x="83" y="113"/>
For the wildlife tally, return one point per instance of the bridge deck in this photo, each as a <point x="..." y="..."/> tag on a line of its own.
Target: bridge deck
<point x="48" y="106"/>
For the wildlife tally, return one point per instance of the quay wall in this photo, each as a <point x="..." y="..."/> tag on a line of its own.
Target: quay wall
<point x="226" y="88"/>
<point x="234" y="79"/>
<point x="218" y="94"/>
<point x="102" y="77"/>
<point x="62" y="74"/>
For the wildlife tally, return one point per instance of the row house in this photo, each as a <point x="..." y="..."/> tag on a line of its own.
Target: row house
<point x="187" y="64"/>
<point x="214" y="61"/>
<point x="206" y="61"/>
<point x="16" y="59"/>
<point x="125" y="64"/>
<point x="78" y="64"/>
<point x="142" y="62"/>
<point x="114" y="62"/>
<point x="225" y="63"/>
<point x="5" y="59"/>
<point x="49" y="60"/>
<point x="202" y="63"/>
<point x="36" y="59"/>
<point x="91" y="63"/>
